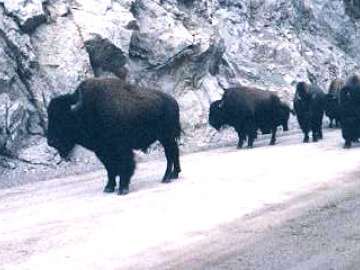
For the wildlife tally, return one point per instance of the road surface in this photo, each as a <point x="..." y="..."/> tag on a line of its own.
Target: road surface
<point x="288" y="206"/>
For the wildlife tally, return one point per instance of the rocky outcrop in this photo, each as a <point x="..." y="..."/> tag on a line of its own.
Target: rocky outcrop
<point x="28" y="14"/>
<point x="190" y="49"/>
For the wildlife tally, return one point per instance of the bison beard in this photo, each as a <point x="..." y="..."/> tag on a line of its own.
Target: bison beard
<point x="247" y="110"/>
<point x="309" y="106"/>
<point x="112" y="118"/>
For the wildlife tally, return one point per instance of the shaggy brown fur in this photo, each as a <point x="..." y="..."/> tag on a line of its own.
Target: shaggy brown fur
<point x="111" y="118"/>
<point x="309" y="106"/>
<point x="247" y="110"/>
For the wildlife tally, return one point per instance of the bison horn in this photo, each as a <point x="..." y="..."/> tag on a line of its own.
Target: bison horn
<point x="221" y="104"/>
<point x="78" y="102"/>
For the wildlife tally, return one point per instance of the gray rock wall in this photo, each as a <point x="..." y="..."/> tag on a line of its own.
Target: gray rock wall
<point x="190" y="49"/>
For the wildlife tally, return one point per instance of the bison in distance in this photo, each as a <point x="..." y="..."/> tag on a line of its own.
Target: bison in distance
<point x="112" y="118"/>
<point x="350" y="110"/>
<point x="247" y="110"/>
<point x="332" y="109"/>
<point x="309" y="106"/>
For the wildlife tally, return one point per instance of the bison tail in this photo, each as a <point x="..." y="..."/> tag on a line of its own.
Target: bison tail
<point x="178" y="136"/>
<point x="178" y="130"/>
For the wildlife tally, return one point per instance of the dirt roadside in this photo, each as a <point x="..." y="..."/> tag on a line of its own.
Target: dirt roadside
<point x="14" y="172"/>
<point x="230" y="209"/>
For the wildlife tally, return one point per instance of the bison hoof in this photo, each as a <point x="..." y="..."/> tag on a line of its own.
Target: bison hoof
<point x="123" y="191"/>
<point x="306" y="140"/>
<point x="175" y="175"/>
<point x="347" y="145"/>
<point x="166" y="180"/>
<point x="109" y="189"/>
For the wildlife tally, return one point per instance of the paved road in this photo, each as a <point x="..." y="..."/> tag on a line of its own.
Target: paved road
<point x="288" y="206"/>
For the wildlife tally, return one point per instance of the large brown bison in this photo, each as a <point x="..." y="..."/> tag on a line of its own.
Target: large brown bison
<point x="248" y="109"/>
<point x="332" y="109"/>
<point x="112" y="118"/>
<point x="350" y="110"/>
<point x="309" y="106"/>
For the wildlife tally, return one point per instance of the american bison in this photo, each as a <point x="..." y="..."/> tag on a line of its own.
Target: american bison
<point x="332" y="109"/>
<point x="350" y="110"/>
<point x="112" y="118"/>
<point x="309" y="106"/>
<point x="247" y="110"/>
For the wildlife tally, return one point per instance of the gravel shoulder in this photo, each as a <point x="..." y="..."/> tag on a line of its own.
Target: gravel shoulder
<point x="14" y="172"/>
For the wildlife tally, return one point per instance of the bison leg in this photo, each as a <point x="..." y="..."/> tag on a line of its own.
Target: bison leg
<point x="306" y="137"/>
<point x="317" y="134"/>
<point x="110" y="186"/>
<point x="171" y="153"/>
<point x="320" y="134"/>
<point x="347" y="144"/>
<point x="242" y="138"/>
<point x="337" y="122"/>
<point x="285" y="126"/>
<point x="177" y="168"/>
<point x="126" y="170"/>
<point x="251" y="137"/>
<point x="347" y="133"/>
<point x="273" y="136"/>
<point x="111" y="171"/>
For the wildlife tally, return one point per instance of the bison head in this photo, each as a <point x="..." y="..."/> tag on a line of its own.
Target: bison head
<point x="61" y="125"/>
<point x="302" y="91"/>
<point x="217" y="115"/>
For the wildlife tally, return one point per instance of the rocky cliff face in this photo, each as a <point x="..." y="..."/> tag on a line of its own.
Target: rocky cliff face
<point x="188" y="48"/>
